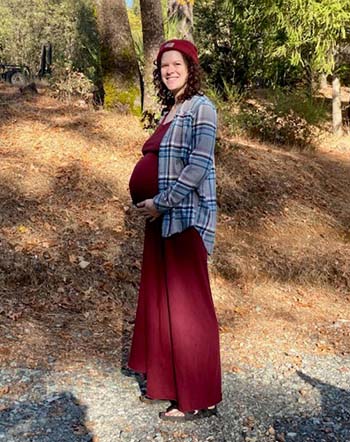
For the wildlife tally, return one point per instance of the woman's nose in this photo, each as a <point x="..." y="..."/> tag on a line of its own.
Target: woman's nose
<point x="170" y="70"/>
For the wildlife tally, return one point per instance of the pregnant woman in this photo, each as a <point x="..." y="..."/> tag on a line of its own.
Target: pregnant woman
<point x="176" y="341"/>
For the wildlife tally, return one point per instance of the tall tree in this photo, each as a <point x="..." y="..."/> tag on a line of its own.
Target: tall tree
<point x="121" y="78"/>
<point x="181" y="12"/>
<point x="342" y="58"/>
<point x="153" y="36"/>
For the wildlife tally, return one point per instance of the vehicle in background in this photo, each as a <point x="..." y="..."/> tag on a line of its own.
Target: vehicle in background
<point x="20" y="75"/>
<point x="17" y="75"/>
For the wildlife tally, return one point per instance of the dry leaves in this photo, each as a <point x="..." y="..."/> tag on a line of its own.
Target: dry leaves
<point x="71" y="246"/>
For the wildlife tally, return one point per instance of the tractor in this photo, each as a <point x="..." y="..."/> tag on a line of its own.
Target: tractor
<point x="14" y="74"/>
<point x="20" y="75"/>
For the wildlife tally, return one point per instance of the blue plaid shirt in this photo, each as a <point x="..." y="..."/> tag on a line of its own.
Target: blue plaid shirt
<point x="186" y="171"/>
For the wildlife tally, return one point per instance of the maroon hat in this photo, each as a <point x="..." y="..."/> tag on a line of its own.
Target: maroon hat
<point x="184" y="46"/>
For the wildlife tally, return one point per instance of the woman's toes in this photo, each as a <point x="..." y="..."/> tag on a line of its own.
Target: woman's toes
<point x="175" y="412"/>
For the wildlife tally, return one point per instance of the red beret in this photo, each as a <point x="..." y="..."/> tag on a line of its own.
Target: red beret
<point x="184" y="46"/>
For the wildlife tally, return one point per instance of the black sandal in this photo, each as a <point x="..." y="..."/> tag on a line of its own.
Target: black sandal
<point x="188" y="415"/>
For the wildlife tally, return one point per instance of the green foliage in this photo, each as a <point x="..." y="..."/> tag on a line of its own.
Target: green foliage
<point x="235" y="39"/>
<point x="70" y="25"/>
<point x="280" y="117"/>
<point x="311" y="29"/>
<point x="171" y="24"/>
<point x="111" y="95"/>
<point x="269" y="43"/>
<point x="134" y="15"/>
<point x="171" y="28"/>
<point x="313" y="111"/>
<point x="343" y="73"/>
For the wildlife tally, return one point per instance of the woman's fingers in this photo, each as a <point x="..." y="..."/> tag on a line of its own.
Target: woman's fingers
<point x="147" y="209"/>
<point x="144" y="212"/>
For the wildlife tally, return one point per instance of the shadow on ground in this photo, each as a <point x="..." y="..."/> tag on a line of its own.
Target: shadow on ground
<point x="58" y="417"/>
<point x="70" y="288"/>
<point x="260" y="189"/>
<point x="332" y="424"/>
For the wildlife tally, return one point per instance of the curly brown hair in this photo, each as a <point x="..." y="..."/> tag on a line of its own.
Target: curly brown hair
<point x="193" y="86"/>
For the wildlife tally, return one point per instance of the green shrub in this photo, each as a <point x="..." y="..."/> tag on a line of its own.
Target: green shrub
<point x="280" y="117"/>
<point x="313" y="110"/>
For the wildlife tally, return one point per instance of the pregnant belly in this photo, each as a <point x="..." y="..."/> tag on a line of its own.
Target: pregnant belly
<point x="143" y="182"/>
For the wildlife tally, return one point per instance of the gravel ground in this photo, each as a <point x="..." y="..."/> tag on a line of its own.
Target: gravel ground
<point x="99" y="403"/>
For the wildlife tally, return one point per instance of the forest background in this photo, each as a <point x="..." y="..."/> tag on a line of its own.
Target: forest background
<point x="287" y="48"/>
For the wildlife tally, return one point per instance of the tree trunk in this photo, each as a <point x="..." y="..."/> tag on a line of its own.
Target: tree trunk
<point x="182" y="12"/>
<point x="153" y="37"/>
<point x="336" y="107"/>
<point x="312" y="85"/>
<point x="323" y="81"/>
<point x="121" y="76"/>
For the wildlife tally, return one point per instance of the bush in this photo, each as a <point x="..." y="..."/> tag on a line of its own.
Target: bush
<point x="278" y="117"/>
<point x="267" y="125"/>
<point x="71" y="84"/>
<point x="313" y="110"/>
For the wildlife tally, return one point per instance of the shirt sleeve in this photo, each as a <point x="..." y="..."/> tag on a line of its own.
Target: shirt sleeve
<point x="200" y="162"/>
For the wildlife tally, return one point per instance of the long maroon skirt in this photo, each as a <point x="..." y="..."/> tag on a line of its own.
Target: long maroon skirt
<point x="176" y="340"/>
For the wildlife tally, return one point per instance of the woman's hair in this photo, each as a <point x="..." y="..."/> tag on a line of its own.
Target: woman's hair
<point x="193" y="86"/>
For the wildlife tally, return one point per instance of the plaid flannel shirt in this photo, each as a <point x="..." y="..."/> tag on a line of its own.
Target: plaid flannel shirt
<point x="186" y="171"/>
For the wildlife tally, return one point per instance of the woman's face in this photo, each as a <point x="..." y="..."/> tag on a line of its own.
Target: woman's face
<point x="174" y="72"/>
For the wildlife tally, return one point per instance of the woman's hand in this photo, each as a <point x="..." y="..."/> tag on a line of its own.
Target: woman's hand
<point x="148" y="209"/>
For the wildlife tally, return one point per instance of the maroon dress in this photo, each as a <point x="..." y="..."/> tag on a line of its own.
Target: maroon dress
<point x="176" y="340"/>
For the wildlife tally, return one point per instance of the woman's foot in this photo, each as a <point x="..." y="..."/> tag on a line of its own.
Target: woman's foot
<point x="173" y="414"/>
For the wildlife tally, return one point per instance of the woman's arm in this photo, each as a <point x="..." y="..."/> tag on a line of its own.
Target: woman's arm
<point x="200" y="160"/>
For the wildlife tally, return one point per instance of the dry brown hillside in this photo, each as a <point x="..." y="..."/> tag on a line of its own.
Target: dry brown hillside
<point x="71" y="244"/>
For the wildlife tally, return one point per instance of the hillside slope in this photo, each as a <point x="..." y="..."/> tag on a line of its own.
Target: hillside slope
<point x="72" y="245"/>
